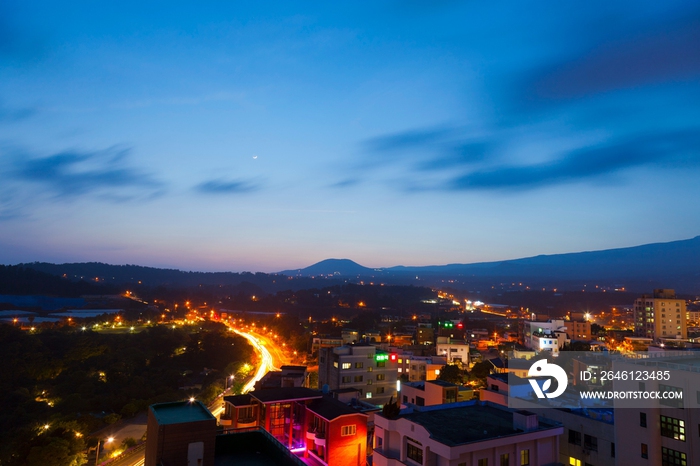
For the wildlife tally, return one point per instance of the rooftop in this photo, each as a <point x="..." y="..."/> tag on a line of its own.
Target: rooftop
<point x="181" y="411"/>
<point x="239" y="400"/>
<point x="271" y="395"/>
<point x="330" y="408"/>
<point x="477" y="422"/>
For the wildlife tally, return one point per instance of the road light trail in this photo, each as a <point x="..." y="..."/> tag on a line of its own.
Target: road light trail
<point x="266" y="362"/>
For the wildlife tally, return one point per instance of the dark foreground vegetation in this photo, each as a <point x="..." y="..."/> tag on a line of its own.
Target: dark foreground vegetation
<point x="57" y="386"/>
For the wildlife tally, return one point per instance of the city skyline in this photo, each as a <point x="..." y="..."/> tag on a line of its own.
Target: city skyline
<point x="235" y="138"/>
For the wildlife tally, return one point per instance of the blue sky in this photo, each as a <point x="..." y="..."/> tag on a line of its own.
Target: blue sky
<point x="233" y="137"/>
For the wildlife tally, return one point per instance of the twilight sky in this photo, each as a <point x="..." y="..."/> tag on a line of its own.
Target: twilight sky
<point x="234" y="137"/>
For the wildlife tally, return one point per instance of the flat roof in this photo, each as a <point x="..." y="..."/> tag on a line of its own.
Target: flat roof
<point x="181" y="411"/>
<point x="269" y="395"/>
<point x="466" y="424"/>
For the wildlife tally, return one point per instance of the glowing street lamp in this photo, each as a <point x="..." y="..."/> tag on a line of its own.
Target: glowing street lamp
<point x="97" y="454"/>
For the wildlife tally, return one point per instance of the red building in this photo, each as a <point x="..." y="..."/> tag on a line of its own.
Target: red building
<point x="323" y="429"/>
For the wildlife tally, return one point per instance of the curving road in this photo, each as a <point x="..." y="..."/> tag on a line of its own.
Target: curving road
<point x="267" y="363"/>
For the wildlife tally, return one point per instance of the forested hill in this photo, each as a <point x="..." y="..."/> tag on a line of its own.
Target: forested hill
<point x="19" y="280"/>
<point x="153" y="277"/>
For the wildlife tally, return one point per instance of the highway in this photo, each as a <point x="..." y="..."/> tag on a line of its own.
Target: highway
<point x="267" y="363"/>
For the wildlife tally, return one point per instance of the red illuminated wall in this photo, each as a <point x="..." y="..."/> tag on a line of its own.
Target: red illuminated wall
<point x="349" y="450"/>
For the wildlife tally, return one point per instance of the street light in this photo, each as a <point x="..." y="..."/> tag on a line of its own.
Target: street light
<point x="97" y="454"/>
<point x="231" y="378"/>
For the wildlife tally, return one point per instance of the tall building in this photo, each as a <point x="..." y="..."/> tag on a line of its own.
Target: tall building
<point x="663" y="433"/>
<point x="660" y="315"/>
<point x="362" y="367"/>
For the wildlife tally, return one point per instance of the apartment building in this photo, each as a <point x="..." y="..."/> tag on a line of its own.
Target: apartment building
<point x="660" y="315"/>
<point x="362" y="367"/>
<point x="666" y="432"/>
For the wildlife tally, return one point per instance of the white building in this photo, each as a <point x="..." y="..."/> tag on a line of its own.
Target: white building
<point x="545" y="336"/>
<point x="665" y="433"/>
<point x="465" y="434"/>
<point x="452" y="350"/>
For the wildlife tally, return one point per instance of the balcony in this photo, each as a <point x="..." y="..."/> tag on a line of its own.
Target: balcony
<point x="244" y="422"/>
<point x="320" y="439"/>
<point x="384" y="458"/>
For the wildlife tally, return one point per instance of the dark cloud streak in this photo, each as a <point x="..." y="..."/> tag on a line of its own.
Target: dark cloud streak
<point x="674" y="149"/>
<point x="75" y="173"/>
<point x="220" y="186"/>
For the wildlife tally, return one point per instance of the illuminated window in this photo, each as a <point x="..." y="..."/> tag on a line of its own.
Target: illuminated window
<point x="574" y="462"/>
<point x="359" y="365"/>
<point x="673" y="458"/>
<point x="505" y="459"/>
<point x="381" y="376"/>
<point x="346" y="365"/>
<point x="348" y="430"/>
<point x="673" y="428"/>
<point x="368" y="395"/>
<point x="525" y="457"/>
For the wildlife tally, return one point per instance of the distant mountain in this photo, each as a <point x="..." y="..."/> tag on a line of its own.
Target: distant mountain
<point x="330" y="268"/>
<point x="670" y="265"/>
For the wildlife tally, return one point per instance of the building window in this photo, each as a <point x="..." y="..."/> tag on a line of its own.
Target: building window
<point x="400" y="370"/>
<point x="358" y="378"/>
<point x="379" y="390"/>
<point x="673" y="458"/>
<point x="346" y="365"/>
<point x="574" y="437"/>
<point x="369" y="381"/>
<point x="348" y="430"/>
<point x="381" y="363"/>
<point x="612" y="450"/>
<point x="643" y="419"/>
<point x="484" y="462"/>
<point x="368" y="395"/>
<point x="381" y="376"/>
<point x="420" y="401"/>
<point x="574" y="462"/>
<point x="676" y="402"/>
<point x="359" y="365"/>
<point x="524" y="457"/>
<point x="673" y="428"/>
<point x="335" y="364"/>
<point x="645" y="450"/>
<point x="590" y="442"/>
<point x="505" y="460"/>
<point x="414" y="453"/>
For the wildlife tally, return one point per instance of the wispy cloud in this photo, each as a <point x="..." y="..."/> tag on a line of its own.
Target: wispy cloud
<point x="221" y="186"/>
<point x="105" y="173"/>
